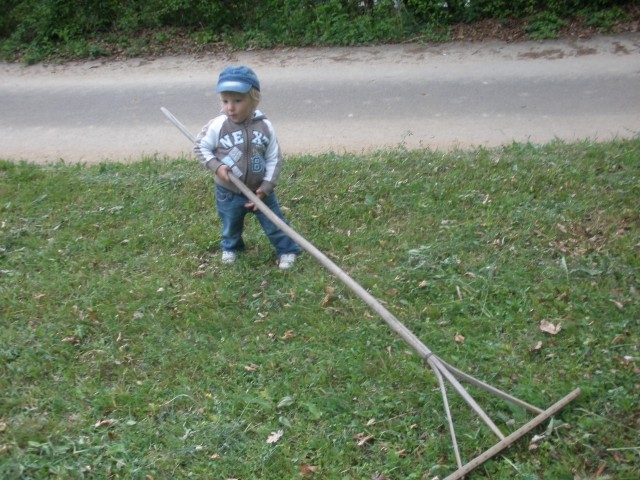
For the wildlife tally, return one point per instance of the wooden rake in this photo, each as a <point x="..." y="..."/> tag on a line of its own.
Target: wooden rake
<point x="442" y="370"/>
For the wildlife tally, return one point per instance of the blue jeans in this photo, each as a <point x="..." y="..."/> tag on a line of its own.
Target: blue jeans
<point x="232" y="211"/>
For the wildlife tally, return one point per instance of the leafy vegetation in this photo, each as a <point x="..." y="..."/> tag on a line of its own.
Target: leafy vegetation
<point x="129" y="351"/>
<point x="35" y="30"/>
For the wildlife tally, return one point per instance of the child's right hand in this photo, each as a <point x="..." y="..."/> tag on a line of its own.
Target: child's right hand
<point x="223" y="173"/>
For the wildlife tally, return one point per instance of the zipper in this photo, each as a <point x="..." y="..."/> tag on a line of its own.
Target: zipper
<point x="248" y="150"/>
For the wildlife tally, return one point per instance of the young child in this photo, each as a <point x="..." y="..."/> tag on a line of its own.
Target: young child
<point x="241" y="141"/>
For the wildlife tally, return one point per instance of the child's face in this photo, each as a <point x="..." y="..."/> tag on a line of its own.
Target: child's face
<point x="237" y="106"/>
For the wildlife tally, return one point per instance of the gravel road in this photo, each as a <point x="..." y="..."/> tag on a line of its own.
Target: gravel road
<point x="331" y="99"/>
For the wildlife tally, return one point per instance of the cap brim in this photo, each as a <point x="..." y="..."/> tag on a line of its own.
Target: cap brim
<point x="233" y="86"/>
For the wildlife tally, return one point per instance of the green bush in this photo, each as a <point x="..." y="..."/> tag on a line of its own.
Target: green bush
<point x="38" y="28"/>
<point x="604" y="20"/>
<point x="545" y="25"/>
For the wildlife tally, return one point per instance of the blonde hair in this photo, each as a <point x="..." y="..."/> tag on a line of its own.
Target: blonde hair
<point x="254" y="93"/>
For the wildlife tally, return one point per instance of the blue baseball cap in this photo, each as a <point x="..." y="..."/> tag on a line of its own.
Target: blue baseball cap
<point x="237" y="79"/>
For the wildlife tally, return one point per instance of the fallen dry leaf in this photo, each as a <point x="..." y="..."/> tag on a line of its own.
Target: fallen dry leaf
<point x="275" y="436"/>
<point x="92" y="316"/>
<point x="548" y="327"/>
<point x="459" y="338"/>
<point x="537" y="347"/>
<point x="364" y="439"/>
<point x="619" y="305"/>
<point x="600" y="470"/>
<point x="288" y="335"/>
<point x="107" y="422"/>
<point x="618" y="339"/>
<point x="329" y="297"/>
<point x="251" y="368"/>
<point x="286" y="402"/>
<point x="537" y="438"/>
<point x="307" y="470"/>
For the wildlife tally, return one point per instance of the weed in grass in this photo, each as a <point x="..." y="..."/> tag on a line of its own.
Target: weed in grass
<point x="129" y="351"/>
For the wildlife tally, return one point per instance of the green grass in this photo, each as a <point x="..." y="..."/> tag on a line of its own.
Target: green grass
<point x="129" y="351"/>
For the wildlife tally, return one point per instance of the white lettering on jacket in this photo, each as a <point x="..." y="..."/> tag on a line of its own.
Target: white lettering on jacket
<point x="232" y="139"/>
<point x="236" y="138"/>
<point x="259" y="138"/>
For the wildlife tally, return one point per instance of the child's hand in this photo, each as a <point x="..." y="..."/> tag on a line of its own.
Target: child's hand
<point x="223" y="173"/>
<point x="260" y="194"/>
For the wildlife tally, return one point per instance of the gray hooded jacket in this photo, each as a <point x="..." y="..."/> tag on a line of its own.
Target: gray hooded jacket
<point x="252" y="147"/>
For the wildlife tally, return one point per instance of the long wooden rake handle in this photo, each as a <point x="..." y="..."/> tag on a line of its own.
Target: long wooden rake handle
<point x="369" y="299"/>
<point x="440" y="368"/>
<point x="398" y="327"/>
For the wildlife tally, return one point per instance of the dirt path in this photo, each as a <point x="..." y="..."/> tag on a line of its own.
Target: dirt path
<point x="339" y="99"/>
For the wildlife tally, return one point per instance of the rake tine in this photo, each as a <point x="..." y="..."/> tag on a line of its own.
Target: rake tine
<point x="452" y="431"/>
<point x="436" y="364"/>
<point x="489" y="388"/>
<point x="526" y="428"/>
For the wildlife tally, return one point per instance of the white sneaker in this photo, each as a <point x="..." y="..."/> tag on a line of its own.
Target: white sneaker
<point x="287" y="260"/>
<point x="228" y="256"/>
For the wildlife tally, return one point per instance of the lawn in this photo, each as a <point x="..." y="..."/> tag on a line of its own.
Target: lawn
<point x="129" y="351"/>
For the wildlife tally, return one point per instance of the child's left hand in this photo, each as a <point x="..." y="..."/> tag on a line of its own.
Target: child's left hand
<point x="260" y="194"/>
